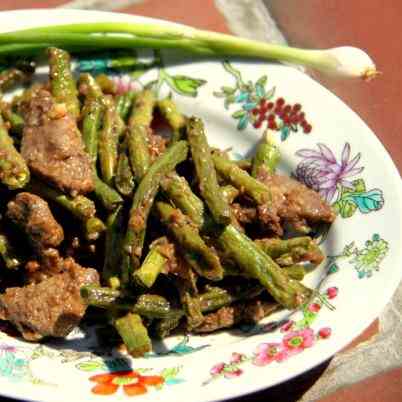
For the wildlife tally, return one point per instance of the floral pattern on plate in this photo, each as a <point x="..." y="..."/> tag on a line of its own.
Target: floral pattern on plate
<point x="258" y="106"/>
<point x="298" y="335"/>
<point x="366" y="260"/>
<point x="337" y="180"/>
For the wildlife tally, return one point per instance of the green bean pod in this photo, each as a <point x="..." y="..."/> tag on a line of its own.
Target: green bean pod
<point x="124" y="180"/>
<point x="134" y="334"/>
<point x="206" y="174"/>
<point x="62" y="82"/>
<point x="241" y="179"/>
<point x="267" y="157"/>
<point x="108" y="143"/>
<point x="137" y="136"/>
<point x="124" y="104"/>
<point x="144" y="197"/>
<point x="179" y="191"/>
<point x="175" y="119"/>
<point x="202" y="258"/>
<point x="107" y="85"/>
<point x="7" y="253"/>
<point x="287" y="292"/>
<point x="14" y="172"/>
<point x="152" y="266"/>
<point x="11" y="77"/>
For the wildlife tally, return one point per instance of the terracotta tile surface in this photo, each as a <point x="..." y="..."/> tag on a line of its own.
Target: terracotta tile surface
<point x="19" y="4"/>
<point x="372" y="25"/>
<point x="200" y="14"/>
<point x="381" y="388"/>
<point x="365" y="336"/>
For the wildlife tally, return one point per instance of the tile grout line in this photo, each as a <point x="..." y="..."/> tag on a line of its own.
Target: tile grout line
<point x="250" y="19"/>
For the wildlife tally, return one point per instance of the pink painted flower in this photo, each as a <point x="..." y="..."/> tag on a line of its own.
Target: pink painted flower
<point x="332" y="292"/>
<point x="233" y="373"/>
<point x="325" y="332"/>
<point x="296" y="341"/>
<point x="268" y="352"/>
<point x="287" y="326"/>
<point x="217" y="369"/>
<point x="314" y="307"/>
<point x="236" y="358"/>
<point x="125" y="83"/>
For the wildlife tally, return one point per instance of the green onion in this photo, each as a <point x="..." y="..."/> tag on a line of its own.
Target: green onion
<point x="341" y="61"/>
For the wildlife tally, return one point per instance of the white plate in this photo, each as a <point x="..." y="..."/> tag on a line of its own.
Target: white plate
<point x="365" y="245"/>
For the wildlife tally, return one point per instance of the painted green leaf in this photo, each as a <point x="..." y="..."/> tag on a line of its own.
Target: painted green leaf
<point x="359" y="185"/>
<point x="368" y="201"/>
<point x="262" y="81"/>
<point x="185" y="85"/>
<point x="238" y="114"/>
<point x="236" y="73"/>
<point x="91" y="365"/>
<point x="143" y="370"/>
<point x="229" y="100"/>
<point x="228" y="90"/>
<point x="309" y="317"/>
<point x="169" y="373"/>
<point x="345" y="207"/>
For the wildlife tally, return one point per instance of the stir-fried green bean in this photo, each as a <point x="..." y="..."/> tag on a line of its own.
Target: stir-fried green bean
<point x="14" y="172"/>
<point x="144" y="197"/>
<point x="206" y="173"/>
<point x="189" y="234"/>
<point x="134" y="334"/>
<point x="172" y="115"/>
<point x="62" y="82"/>
<point x="287" y="292"/>
<point x="139" y="125"/>
<point x="266" y="158"/>
<point x="201" y="257"/>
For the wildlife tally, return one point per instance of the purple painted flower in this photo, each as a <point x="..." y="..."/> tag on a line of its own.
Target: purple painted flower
<point x="8" y="348"/>
<point x="321" y="171"/>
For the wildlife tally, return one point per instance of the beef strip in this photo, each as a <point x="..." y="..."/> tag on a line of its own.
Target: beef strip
<point x="32" y="214"/>
<point x="50" y="263"/>
<point x="244" y="214"/>
<point x="251" y="311"/>
<point x="52" y="307"/>
<point x="156" y="144"/>
<point x="292" y="202"/>
<point x="52" y="145"/>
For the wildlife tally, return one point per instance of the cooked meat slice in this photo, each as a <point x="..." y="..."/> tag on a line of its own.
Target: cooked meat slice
<point x="52" y="145"/>
<point x="251" y="311"/>
<point x="32" y="214"/>
<point x="156" y="145"/>
<point x="49" y="264"/>
<point x="225" y="317"/>
<point x="256" y="310"/>
<point x="293" y="202"/>
<point x="244" y="214"/>
<point x="52" y="307"/>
